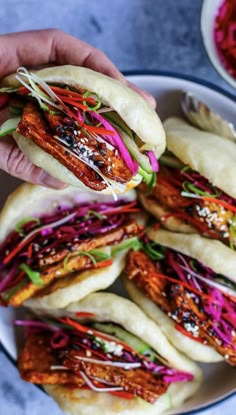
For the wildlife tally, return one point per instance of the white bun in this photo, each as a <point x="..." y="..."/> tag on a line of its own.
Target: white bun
<point x="31" y="200"/>
<point x="111" y="308"/>
<point x="132" y="108"/>
<point x="213" y="254"/>
<point x="214" y="157"/>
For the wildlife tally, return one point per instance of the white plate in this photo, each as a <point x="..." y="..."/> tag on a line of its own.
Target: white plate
<point x="219" y="379"/>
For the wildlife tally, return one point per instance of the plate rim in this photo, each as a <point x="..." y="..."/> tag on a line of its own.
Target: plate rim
<point x="213" y="87"/>
<point x="170" y="74"/>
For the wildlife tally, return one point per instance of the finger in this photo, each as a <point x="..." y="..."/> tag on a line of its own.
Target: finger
<point x="54" y="46"/>
<point x="148" y="97"/>
<point x="14" y="162"/>
<point x="42" y="47"/>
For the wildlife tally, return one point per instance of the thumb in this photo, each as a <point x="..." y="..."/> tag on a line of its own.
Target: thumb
<point x="14" y="162"/>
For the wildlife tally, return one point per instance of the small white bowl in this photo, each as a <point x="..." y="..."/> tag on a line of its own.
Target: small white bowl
<point x="208" y="15"/>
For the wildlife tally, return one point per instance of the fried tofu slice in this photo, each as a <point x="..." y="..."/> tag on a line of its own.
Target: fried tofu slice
<point x="140" y="268"/>
<point x="56" y="269"/>
<point x="127" y="230"/>
<point x="44" y="128"/>
<point x="34" y="127"/>
<point x="36" y="360"/>
<point x="176" y="301"/>
<point x="74" y="264"/>
<point x="139" y="382"/>
<point x="104" y="157"/>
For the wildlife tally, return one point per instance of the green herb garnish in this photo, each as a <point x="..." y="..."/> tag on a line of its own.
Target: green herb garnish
<point x="154" y="251"/>
<point x="21" y="223"/>
<point x="34" y="276"/>
<point x="99" y="101"/>
<point x="93" y="254"/>
<point x="94" y="213"/>
<point x="134" y="244"/>
<point x="190" y="187"/>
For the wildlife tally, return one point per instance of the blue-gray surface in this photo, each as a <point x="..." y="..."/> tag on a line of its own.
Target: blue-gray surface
<point x="135" y="34"/>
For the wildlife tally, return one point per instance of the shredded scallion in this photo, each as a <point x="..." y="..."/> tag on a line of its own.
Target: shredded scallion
<point x="21" y="223"/>
<point x="94" y="213"/>
<point x="97" y="98"/>
<point x="93" y="254"/>
<point x="33" y="275"/>
<point x="154" y="251"/>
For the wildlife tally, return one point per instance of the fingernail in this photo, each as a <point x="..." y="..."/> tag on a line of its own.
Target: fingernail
<point x="50" y="181"/>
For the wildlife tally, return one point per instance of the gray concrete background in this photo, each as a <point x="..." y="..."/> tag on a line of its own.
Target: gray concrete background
<point x="135" y="34"/>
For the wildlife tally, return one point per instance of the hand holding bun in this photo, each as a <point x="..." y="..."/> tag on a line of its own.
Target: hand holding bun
<point x="42" y="48"/>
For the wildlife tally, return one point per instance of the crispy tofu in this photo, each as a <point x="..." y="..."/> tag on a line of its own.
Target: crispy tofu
<point x="55" y="269"/>
<point x="36" y="360"/>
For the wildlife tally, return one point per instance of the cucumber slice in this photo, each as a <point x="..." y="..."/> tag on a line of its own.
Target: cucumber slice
<point x="148" y="177"/>
<point x="142" y="159"/>
<point x="115" y="119"/>
<point x="9" y="126"/>
<point x="137" y="344"/>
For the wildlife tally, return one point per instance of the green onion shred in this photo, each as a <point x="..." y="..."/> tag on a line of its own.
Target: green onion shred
<point x="21" y="223"/>
<point x="95" y="107"/>
<point x="34" y="276"/>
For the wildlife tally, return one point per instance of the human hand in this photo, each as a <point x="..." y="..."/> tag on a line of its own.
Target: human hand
<point x="42" y="48"/>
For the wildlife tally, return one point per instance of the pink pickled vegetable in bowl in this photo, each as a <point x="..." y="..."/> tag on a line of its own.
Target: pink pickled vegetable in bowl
<point x="218" y="27"/>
